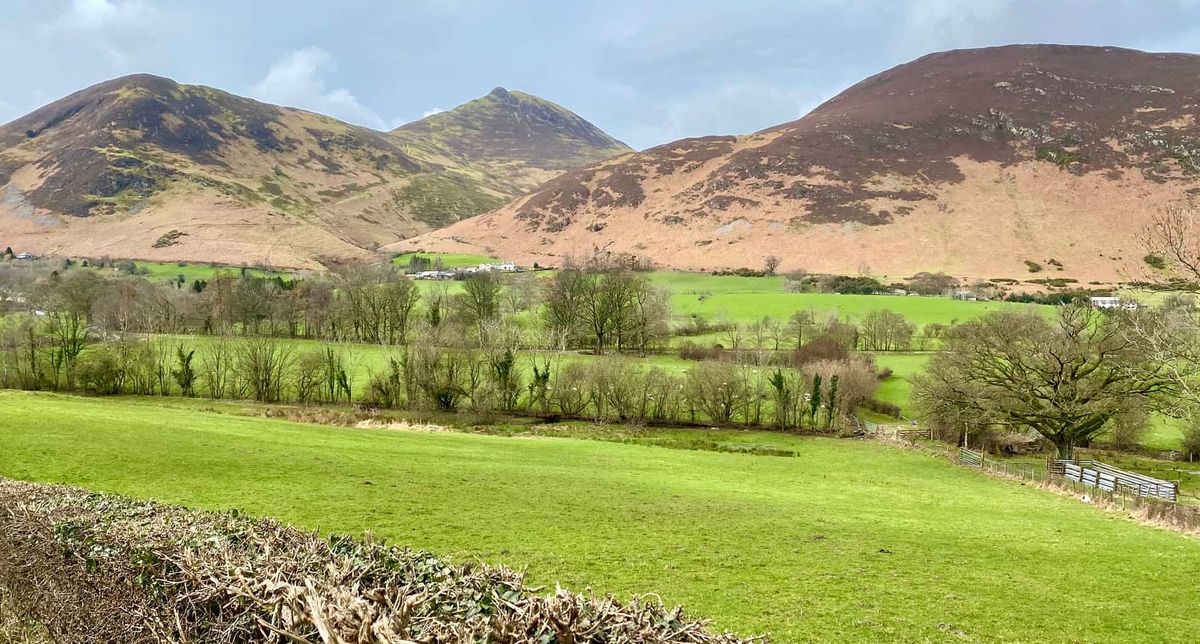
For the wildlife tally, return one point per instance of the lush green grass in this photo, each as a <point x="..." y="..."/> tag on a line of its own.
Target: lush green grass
<point x="167" y="271"/>
<point x="746" y="299"/>
<point x="904" y="366"/>
<point x="849" y="540"/>
<point x="449" y="260"/>
<point x="1164" y="433"/>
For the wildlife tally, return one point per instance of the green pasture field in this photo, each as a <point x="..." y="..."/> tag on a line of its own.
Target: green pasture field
<point x="449" y="260"/>
<point x="846" y="541"/>
<point x="747" y="299"/>
<point x="167" y="271"/>
<point x="904" y="366"/>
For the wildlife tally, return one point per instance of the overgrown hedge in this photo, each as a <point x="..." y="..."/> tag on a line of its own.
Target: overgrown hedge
<point x="82" y="567"/>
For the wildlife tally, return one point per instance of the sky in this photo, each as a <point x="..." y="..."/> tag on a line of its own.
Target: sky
<point x="645" y="72"/>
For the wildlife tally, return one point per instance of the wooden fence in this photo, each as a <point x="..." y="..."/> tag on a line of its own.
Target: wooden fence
<point x="1111" y="479"/>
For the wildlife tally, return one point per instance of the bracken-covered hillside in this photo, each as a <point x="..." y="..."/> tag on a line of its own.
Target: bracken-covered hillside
<point x="145" y="167"/>
<point x="974" y="162"/>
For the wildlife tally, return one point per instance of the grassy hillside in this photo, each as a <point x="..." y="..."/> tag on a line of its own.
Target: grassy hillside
<point x="849" y="541"/>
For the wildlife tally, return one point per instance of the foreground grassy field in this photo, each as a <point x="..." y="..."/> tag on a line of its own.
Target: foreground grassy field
<point x="846" y="541"/>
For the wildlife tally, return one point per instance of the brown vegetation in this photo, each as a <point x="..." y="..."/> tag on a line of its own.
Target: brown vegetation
<point x="83" y="567"/>
<point x="147" y="168"/>
<point x="1083" y="142"/>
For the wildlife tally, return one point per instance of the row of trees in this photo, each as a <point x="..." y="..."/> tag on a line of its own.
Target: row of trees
<point x="878" y="330"/>
<point x="599" y="305"/>
<point x="433" y="375"/>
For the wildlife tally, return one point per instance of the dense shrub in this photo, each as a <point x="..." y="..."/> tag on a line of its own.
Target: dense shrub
<point x="1057" y="297"/>
<point x="882" y="407"/>
<point x="743" y="272"/>
<point x="822" y="348"/>
<point x="693" y="351"/>
<point x="846" y="285"/>
<point x="700" y="326"/>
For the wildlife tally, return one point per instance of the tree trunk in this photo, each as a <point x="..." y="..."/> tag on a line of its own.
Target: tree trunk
<point x="1065" y="451"/>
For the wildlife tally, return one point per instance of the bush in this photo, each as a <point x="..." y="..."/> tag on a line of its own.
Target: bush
<point x="822" y="348"/>
<point x="715" y="389"/>
<point x="101" y="372"/>
<point x="743" y="272"/>
<point x="700" y="326"/>
<point x="846" y="285"/>
<point x="882" y="407"/>
<point x="699" y="353"/>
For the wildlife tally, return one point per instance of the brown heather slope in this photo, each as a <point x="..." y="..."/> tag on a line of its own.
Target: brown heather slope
<point x="143" y="167"/>
<point x="970" y="161"/>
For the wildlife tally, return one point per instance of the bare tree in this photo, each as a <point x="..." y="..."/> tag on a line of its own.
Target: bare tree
<point x="801" y="326"/>
<point x="885" y="330"/>
<point x="264" y="365"/>
<point x="1064" y="379"/>
<point x="216" y="366"/>
<point x="1173" y="236"/>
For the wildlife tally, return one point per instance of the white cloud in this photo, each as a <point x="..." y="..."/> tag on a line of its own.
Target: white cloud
<point x="299" y="80"/>
<point x="937" y="24"/>
<point x="120" y="29"/>
<point x="712" y="110"/>
<point x="432" y="111"/>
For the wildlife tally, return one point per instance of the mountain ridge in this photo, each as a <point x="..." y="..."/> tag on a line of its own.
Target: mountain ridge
<point x="969" y="161"/>
<point x="115" y="167"/>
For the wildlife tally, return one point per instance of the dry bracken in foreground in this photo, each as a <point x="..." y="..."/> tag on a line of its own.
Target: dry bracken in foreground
<point x="83" y="567"/>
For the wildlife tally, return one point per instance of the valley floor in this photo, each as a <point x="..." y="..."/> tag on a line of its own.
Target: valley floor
<point x="848" y="540"/>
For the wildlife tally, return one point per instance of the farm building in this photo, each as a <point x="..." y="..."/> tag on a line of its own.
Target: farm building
<point x="434" y="275"/>
<point x="1107" y="302"/>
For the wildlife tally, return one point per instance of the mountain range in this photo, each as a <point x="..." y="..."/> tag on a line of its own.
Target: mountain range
<point x="987" y="163"/>
<point x="143" y="167"/>
<point x="1017" y="162"/>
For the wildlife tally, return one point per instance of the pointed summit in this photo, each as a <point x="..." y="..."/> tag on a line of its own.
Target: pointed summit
<point x="508" y="125"/>
<point x="984" y="163"/>
<point x="143" y="167"/>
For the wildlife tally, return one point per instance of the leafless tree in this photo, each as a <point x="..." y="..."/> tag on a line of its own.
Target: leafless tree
<point x="1064" y="379"/>
<point x="1173" y="235"/>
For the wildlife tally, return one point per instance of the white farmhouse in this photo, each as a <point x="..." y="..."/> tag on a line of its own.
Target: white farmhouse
<point x="1108" y="302"/>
